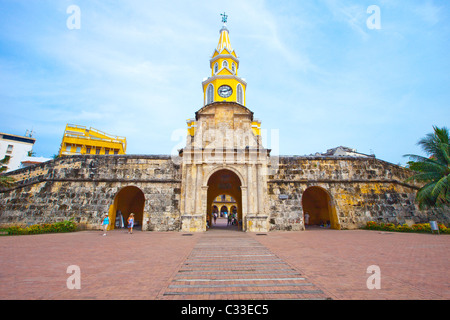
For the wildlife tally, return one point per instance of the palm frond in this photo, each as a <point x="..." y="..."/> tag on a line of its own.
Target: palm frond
<point x="430" y="143"/>
<point x="441" y="186"/>
<point x="433" y="170"/>
<point x="425" y="197"/>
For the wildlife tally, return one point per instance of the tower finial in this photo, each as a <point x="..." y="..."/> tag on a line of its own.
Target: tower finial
<point x="224" y="17"/>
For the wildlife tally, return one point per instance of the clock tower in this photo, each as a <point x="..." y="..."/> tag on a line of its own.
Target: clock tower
<point x="224" y="84"/>
<point x="224" y="154"/>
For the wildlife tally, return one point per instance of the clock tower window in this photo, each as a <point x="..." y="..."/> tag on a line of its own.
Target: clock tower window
<point x="210" y="94"/>
<point x="240" y="94"/>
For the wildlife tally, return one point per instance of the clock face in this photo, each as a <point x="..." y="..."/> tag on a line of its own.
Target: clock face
<point x="224" y="91"/>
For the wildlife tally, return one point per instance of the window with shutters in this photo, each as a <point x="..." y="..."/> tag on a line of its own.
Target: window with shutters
<point x="210" y="94"/>
<point x="240" y="94"/>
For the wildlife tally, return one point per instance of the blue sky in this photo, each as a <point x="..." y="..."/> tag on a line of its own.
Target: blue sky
<point x="315" y="71"/>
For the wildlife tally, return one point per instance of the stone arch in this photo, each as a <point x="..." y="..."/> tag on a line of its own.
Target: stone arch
<point x="318" y="204"/>
<point x="224" y="181"/>
<point x="129" y="199"/>
<point x="235" y="171"/>
<point x="224" y="209"/>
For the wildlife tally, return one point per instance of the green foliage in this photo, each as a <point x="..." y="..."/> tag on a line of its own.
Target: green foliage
<point x="421" y="227"/>
<point x="5" y="181"/>
<point x="434" y="170"/>
<point x="63" y="226"/>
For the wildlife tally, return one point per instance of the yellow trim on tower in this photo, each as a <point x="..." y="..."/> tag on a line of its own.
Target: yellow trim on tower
<point x="224" y="66"/>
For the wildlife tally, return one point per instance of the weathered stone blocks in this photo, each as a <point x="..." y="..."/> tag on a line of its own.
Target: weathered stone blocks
<point x="85" y="187"/>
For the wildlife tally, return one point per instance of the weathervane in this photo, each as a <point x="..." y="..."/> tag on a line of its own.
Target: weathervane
<point x="224" y="17"/>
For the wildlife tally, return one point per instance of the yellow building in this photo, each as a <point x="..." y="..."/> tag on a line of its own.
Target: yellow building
<point x="80" y="140"/>
<point x="224" y="204"/>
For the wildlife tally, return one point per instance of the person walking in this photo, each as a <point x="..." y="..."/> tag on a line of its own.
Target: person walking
<point x="215" y="217"/>
<point x="105" y="223"/>
<point x="130" y="223"/>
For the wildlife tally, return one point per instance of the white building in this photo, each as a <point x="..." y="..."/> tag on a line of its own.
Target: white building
<point x="16" y="148"/>
<point x="344" y="152"/>
<point x="31" y="161"/>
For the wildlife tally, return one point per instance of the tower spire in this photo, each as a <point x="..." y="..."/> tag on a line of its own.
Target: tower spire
<point x="224" y="40"/>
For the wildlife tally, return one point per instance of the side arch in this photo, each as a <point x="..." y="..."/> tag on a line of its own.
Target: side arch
<point x="319" y="209"/>
<point x="129" y="199"/>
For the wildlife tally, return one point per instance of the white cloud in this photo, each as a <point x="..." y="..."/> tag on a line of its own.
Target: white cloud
<point x="354" y="15"/>
<point x="428" y="12"/>
<point x="135" y="68"/>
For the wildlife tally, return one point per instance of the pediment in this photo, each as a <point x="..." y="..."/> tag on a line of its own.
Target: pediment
<point x="235" y="108"/>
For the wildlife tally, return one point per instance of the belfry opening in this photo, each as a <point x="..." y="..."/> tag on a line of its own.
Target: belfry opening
<point x="128" y="200"/>
<point x="224" y="197"/>
<point x="318" y="209"/>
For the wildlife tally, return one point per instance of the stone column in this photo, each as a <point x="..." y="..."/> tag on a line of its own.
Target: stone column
<point x="244" y="207"/>
<point x="204" y="204"/>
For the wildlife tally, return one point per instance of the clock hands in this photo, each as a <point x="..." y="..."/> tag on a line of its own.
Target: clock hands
<point x="225" y="91"/>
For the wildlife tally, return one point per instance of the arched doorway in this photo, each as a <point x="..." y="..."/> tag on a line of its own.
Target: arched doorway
<point x="226" y="203"/>
<point x="223" y="211"/>
<point x="225" y="182"/>
<point x="317" y="203"/>
<point x="128" y="200"/>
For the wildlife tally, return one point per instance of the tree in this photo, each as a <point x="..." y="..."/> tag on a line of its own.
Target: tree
<point x="434" y="170"/>
<point x="5" y="181"/>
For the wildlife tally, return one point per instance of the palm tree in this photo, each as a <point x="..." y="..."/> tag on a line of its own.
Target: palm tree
<point x="4" y="180"/>
<point x="433" y="170"/>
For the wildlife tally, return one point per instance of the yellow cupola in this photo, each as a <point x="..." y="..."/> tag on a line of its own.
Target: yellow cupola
<point x="224" y="83"/>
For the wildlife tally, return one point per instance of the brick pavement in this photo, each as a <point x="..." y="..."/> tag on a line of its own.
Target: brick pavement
<point x="412" y="266"/>
<point x="149" y="265"/>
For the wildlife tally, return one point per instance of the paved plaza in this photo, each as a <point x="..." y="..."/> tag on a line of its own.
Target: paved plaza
<point x="223" y="264"/>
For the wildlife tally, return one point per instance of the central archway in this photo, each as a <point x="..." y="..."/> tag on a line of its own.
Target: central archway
<point x="224" y="182"/>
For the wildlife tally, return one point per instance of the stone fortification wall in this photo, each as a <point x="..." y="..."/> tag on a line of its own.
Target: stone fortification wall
<point x="359" y="189"/>
<point x="84" y="187"/>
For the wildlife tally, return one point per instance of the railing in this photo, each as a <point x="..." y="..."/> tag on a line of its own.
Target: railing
<point x="94" y="138"/>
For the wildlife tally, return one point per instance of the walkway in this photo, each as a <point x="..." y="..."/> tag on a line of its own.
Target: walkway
<point x="228" y="264"/>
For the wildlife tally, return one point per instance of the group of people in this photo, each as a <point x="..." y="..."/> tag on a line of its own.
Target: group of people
<point x="231" y="219"/>
<point x="105" y="223"/>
